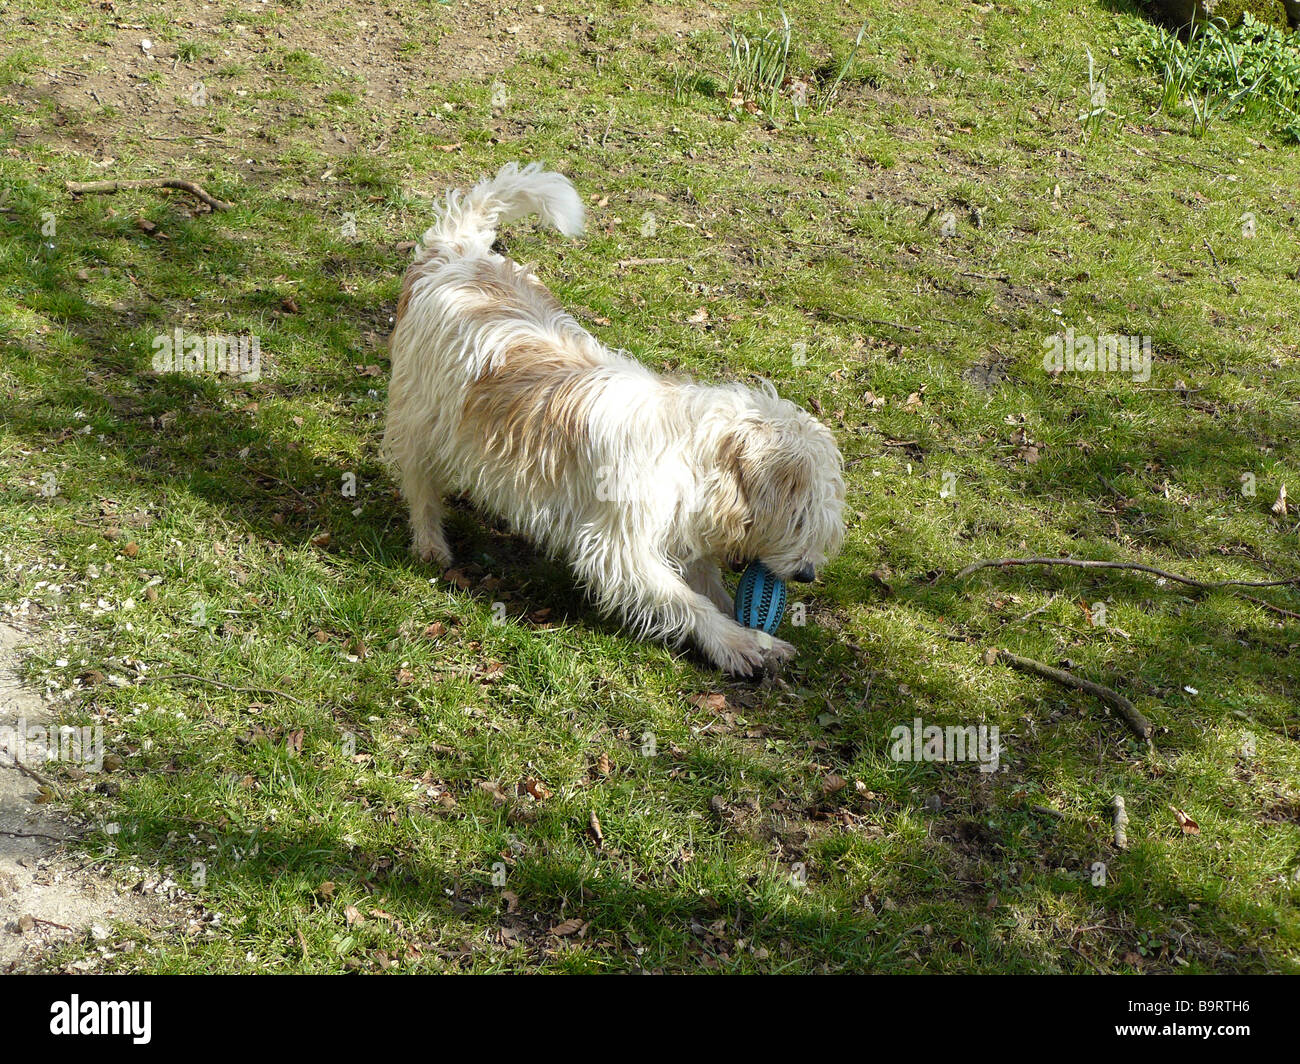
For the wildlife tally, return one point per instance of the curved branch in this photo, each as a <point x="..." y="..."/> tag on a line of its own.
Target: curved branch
<point x="1087" y="563"/>
<point x="79" y="187"/>
<point x="1140" y="725"/>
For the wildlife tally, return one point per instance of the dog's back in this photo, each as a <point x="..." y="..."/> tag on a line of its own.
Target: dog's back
<point x="496" y="390"/>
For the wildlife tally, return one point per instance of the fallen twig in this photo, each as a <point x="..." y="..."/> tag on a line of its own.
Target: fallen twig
<point x="32" y="835"/>
<point x="1034" y="613"/>
<point x="51" y="923"/>
<point x="1136" y="721"/>
<point x="624" y="263"/>
<point x="17" y="763"/>
<point x="80" y="187"/>
<point x="1121" y="823"/>
<point x="852" y="320"/>
<point x="223" y="684"/>
<point x="882" y="321"/>
<point x="1213" y="256"/>
<point x="1088" y="563"/>
<point x="1177" y="161"/>
<point x="1270" y="606"/>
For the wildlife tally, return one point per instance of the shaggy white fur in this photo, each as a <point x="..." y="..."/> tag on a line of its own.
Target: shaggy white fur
<point x="643" y="483"/>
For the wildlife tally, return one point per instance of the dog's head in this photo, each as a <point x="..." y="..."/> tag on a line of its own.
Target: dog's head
<point x="776" y="492"/>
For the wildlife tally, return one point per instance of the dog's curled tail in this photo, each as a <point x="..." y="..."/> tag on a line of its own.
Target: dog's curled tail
<point x="473" y="216"/>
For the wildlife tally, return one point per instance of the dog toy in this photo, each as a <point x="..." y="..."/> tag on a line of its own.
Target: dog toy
<point x="760" y="599"/>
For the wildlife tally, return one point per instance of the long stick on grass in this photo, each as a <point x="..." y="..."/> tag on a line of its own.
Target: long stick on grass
<point x="1088" y="563"/>
<point x="1142" y="727"/>
<point x="80" y="187"/>
<point x="222" y="684"/>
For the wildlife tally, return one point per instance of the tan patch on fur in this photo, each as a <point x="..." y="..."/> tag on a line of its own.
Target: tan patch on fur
<point x="531" y="409"/>
<point x="414" y="272"/>
<point x="790" y="474"/>
<point x="496" y="284"/>
<point x="499" y="283"/>
<point x="758" y="478"/>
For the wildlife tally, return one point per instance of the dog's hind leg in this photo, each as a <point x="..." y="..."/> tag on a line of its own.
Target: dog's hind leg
<point x="407" y="446"/>
<point x="423" y="495"/>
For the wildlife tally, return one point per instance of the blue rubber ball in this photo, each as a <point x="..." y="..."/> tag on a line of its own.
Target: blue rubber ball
<point x="760" y="599"/>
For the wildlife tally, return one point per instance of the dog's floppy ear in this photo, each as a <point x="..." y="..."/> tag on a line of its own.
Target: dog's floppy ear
<point x="784" y="474"/>
<point x="727" y="506"/>
<point x="758" y="477"/>
<point x="774" y="470"/>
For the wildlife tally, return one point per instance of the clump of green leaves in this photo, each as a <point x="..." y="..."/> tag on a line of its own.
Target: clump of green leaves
<point x="757" y="61"/>
<point x="1251" y="69"/>
<point x="1092" y="116"/>
<point x="761" y="68"/>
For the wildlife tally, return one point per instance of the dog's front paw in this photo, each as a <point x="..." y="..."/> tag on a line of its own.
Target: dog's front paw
<point x="749" y="652"/>
<point x="779" y="653"/>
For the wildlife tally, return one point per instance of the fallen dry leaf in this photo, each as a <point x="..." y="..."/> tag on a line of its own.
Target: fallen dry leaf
<point x="495" y="789"/>
<point x="459" y="579"/>
<point x="535" y="787"/>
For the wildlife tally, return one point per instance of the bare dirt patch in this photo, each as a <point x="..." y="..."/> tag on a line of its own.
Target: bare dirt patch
<point x="46" y="897"/>
<point x="385" y="59"/>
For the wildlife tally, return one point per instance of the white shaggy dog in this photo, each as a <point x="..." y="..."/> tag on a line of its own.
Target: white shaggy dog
<point x="643" y="483"/>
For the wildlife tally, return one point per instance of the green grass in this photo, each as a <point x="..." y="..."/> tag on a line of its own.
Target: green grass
<point x="896" y="259"/>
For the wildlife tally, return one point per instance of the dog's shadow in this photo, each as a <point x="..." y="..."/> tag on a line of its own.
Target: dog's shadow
<point x="494" y="565"/>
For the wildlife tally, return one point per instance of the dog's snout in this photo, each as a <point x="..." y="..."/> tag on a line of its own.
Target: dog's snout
<point x="806" y="575"/>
